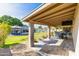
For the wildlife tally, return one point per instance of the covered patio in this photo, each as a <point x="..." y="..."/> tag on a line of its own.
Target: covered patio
<point x="55" y="14"/>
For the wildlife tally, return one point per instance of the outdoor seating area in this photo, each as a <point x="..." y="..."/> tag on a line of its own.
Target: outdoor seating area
<point x="61" y="37"/>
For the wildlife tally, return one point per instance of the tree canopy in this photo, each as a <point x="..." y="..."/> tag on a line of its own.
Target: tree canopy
<point x="10" y="20"/>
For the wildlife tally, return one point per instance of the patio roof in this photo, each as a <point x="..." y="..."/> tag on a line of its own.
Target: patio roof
<point x="52" y="14"/>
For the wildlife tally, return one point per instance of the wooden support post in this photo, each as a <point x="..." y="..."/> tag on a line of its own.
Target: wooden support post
<point x="76" y="30"/>
<point x="49" y="32"/>
<point x="31" y="35"/>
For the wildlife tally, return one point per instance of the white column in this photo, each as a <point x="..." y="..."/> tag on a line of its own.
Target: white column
<point x="76" y="30"/>
<point x="49" y="32"/>
<point x="31" y="35"/>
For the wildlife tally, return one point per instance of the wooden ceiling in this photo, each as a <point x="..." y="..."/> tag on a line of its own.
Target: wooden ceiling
<point x="52" y="14"/>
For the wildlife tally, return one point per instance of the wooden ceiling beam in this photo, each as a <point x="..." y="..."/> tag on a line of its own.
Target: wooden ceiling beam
<point x="54" y="10"/>
<point x="42" y="23"/>
<point x="52" y="22"/>
<point x="59" y="17"/>
<point x="57" y="14"/>
<point x="57" y="21"/>
<point x="67" y="14"/>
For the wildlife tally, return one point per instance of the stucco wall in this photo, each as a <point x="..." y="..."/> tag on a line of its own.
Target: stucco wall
<point x="76" y="30"/>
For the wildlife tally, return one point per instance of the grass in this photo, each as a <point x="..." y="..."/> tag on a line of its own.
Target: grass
<point x="12" y="40"/>
<point x="39" y="35"/>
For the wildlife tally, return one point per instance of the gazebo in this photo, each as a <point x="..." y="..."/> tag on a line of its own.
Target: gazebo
<point x="53" y="14"/>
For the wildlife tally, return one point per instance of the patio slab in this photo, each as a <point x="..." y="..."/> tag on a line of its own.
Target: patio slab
<point x="5" y="52"/>
<point x="62" y="48"/>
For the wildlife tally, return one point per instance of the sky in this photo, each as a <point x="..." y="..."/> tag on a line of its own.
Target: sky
<point x="18" y="10"/>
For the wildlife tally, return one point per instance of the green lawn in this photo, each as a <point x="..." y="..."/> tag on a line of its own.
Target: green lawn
<point x="12" y="40"/>
<point x="39" y="35"/>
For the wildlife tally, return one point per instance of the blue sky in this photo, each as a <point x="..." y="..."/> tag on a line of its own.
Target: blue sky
<point x="18" y="10"/>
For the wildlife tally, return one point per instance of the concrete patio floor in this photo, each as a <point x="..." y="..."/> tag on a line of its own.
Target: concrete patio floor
<point x="59" y="47"/>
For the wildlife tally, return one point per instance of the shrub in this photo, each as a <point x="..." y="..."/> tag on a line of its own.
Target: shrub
<point x="5" y="29"/>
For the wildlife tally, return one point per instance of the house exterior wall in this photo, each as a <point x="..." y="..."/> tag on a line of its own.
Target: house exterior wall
<point x="76" y="30"/>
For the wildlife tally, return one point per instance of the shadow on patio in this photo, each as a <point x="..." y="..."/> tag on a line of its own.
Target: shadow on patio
<point x="63" y="48"/>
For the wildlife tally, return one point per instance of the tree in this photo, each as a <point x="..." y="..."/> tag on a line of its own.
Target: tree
<point x="10" y="20"/>
<point x="5" y="29"/>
